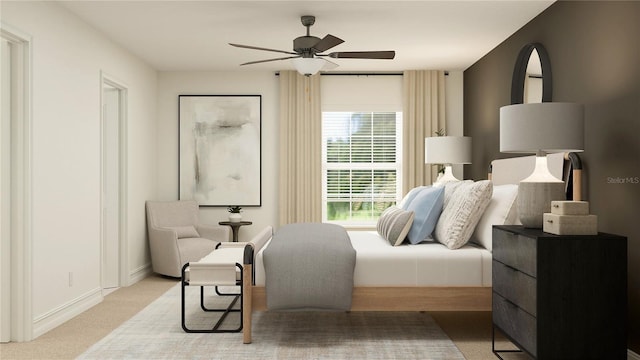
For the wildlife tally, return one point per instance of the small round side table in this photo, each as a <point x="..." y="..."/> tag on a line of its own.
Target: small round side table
<point x="235" y="227"/>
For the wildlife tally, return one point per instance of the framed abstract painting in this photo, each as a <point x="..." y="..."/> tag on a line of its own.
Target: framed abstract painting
<point x="220" y="149"/>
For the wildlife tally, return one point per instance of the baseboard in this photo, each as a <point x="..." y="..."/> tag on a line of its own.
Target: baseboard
<point x="632" y="356"/>
<point x="66" y="312"/>
<point x="139" y="274"/>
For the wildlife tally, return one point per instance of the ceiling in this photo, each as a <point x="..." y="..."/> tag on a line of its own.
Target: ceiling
<point x="194" y="35"/>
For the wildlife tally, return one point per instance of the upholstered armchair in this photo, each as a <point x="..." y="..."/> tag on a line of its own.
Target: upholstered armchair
<point x="176" y="235"/>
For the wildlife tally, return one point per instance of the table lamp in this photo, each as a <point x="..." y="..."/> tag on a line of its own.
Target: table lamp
<point x="540" y="128"/>
<point x="447" y="150"/>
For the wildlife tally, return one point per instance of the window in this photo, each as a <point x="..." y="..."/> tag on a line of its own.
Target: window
<point x="361" y="147"/>
<point x="361" y="165"/>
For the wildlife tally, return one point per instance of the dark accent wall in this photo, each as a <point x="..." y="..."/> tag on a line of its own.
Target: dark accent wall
<point x="594" y="48"/>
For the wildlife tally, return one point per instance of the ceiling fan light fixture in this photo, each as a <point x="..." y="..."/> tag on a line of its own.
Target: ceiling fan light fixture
<point x="308" y="66"/>
<point x="308" y="51"/>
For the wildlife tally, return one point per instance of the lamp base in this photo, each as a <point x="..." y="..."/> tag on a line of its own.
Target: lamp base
<point x="534" y="199"/>
<point x="446" y="177"/>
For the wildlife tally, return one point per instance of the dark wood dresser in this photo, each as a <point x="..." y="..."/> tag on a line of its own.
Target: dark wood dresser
<point x="560" y="296"/>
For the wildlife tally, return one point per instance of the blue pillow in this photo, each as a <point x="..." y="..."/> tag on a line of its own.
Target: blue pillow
<point x="427" y="206"/>
<point x="404" y="204"/>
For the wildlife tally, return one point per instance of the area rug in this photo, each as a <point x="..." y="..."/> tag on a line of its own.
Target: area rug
<point x="156" y="333"/>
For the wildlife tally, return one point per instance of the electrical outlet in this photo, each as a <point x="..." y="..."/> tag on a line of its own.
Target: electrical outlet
<point x="70" y="279"/>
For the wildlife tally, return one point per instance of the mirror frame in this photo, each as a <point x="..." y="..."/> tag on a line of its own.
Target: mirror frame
<point x="520" y="72"/>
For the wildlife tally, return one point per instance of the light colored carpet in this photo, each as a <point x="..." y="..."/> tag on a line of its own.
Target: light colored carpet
<point x="155" y="333"/>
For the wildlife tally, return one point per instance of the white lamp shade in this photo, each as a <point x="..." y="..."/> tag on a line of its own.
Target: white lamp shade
<point x="548" y="126"/>
<point x="308" y="66"/>
<point x="447" y="150"/>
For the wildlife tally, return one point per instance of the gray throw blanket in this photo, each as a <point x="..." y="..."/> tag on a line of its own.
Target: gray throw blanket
<point x="309" y="266"/>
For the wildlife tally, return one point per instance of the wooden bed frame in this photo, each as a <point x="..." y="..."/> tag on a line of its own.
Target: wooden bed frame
<point x="438" y="298"/>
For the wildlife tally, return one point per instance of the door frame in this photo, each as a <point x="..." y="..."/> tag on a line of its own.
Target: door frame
<point x="20" y="243"/>
<point x="106" y="79"/>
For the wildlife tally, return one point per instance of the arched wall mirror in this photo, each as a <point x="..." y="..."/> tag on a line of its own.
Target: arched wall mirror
<point x="531" y="82"/>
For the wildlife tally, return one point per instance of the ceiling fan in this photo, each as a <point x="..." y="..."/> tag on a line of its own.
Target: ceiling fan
<point x="307" y="51"/>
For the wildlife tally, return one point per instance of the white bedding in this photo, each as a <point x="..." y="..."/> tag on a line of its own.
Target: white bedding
<point x="433" y="264"/>
<point x="426" y="264"/>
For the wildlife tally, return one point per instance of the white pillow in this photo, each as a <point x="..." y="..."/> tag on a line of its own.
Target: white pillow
<point x="394" y="224"/>
<point x="450" y="188"/>
<point x="462" y="213"/>
<point x="502" y="210"/>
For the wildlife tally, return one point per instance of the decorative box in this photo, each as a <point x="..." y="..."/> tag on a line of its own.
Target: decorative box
<point x="570" y="207"/>
<point x="570" y="224"/>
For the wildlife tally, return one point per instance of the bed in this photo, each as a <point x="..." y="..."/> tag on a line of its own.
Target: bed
<point x="428" y="276"/>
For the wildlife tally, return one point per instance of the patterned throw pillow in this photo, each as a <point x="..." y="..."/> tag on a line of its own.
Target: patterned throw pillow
<point x="502" y="210"/>
<point x="450" y="188"/>
<point x="462" y="213"/>
<point x="394" y="224"/>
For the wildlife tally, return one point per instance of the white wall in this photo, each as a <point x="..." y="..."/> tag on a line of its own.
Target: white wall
<point x="68" y="57"/>
<point x="172" y="84"/>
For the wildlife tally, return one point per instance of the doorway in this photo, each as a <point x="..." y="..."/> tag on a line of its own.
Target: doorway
<point x="5" y="189"/>
<point x="16" y="318"/>
<point x="113" y="195"/>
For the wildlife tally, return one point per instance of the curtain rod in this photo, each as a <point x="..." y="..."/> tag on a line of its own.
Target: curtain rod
<point x="357" y="74"/>
<point x="446" y="73"/>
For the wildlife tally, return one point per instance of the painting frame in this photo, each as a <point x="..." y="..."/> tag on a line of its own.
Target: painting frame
<point x="220" y="150"/>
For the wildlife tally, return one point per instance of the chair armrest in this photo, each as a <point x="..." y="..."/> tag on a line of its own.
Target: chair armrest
<point x="214" y="232"/>
<point x="163" y="236"/>
<point x="163" y="246"/>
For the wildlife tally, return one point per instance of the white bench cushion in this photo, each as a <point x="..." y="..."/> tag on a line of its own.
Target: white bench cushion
<point x="217" y="268"/>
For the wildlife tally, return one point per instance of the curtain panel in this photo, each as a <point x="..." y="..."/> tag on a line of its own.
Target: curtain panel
<point x="423" y="115"/>
<point x="300" y="187"/>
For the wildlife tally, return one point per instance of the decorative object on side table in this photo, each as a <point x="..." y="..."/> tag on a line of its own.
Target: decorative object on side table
<point x="540" y="128"/>
<point x="235" y="227"/>
<point x="447" y="150"/>
<point x="570" y="218"/>
<point x="234" y="213"/>
<point x="560" y="296"/>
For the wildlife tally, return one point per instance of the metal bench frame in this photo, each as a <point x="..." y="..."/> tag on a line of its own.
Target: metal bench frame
<point x="225" y="311"/>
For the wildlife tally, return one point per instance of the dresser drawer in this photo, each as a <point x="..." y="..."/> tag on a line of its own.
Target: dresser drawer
<point x="515" y="322"/>
<point x="515" y="250"/>
<point x="515" y="286"/>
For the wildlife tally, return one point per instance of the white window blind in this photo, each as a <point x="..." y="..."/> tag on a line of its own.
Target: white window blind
<point x="361" y="170"/>
<point x="361" y="151"/>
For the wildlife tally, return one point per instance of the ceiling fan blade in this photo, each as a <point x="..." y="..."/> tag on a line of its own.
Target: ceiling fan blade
<point x="261" y="48"/>
<point x="276" y="59"/>
<point x="362" y="55"/>
<point x="327" y="43"/>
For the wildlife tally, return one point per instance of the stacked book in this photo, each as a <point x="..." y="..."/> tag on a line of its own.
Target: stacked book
<point x="570" y="218"/>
